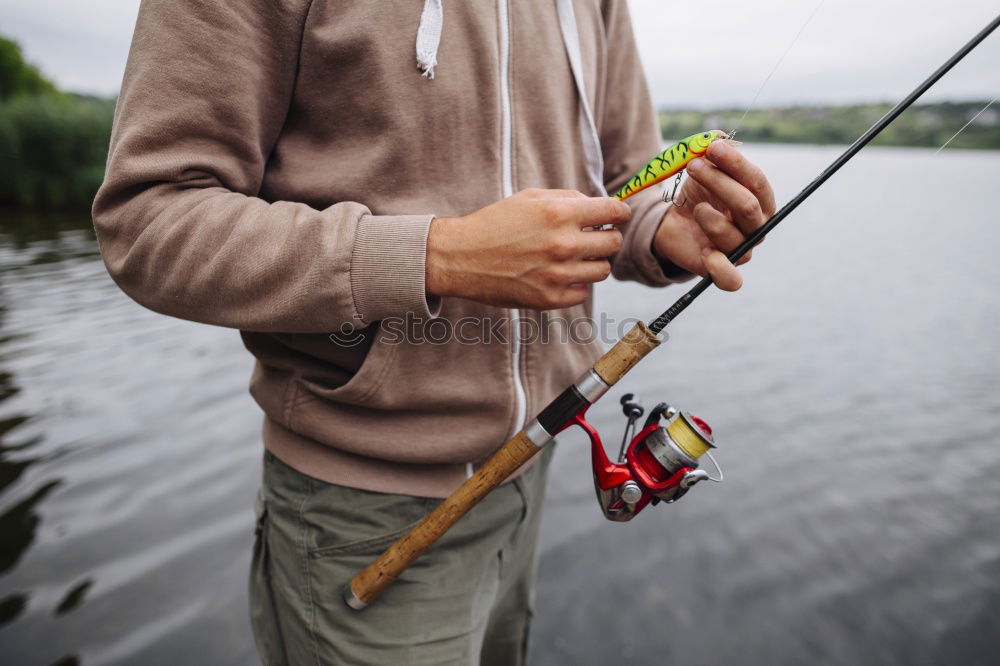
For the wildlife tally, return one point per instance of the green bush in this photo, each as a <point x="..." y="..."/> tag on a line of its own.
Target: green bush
<point x="54" y="149"/>
<point x="53" y="145"/>
<point x="17" y="77"/>
<point x="928" y="125"/>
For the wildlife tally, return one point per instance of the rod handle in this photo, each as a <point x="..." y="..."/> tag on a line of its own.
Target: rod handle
<point x="369" y="583"/>
<point x="628" y="351"/>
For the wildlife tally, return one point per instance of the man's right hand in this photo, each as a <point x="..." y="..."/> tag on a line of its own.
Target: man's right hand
<point x="530" y="250"/>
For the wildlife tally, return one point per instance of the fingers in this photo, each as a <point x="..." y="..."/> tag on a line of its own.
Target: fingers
<point x="742" y="205"/>
<point x="721" y="270"/>
<point x="747" y="174"/>
<point x="577" y="209"/>
<point x="537" y="193"/>
<point x="598" y="211"/>
<point x="719" y="230"/>
<point x="598" y="244"/>
<point x="694" y="192"/>
<point x="571" y="285"/>
<point x="578" y="272"/>
<point x="572" y="295"/>
<point x="588" y="272"/>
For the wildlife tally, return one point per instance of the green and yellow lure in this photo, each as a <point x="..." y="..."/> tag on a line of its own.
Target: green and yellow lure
<point x="670" y="162"/>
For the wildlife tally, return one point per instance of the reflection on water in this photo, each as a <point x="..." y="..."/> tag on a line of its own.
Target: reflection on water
<point x="128" y="461"/>
<point x="18" y="521"/>
<point x="73" y="598"/>
<point x="18" y="525"/>
<point x="853" y="384"/>
<point x="11" y="607"/>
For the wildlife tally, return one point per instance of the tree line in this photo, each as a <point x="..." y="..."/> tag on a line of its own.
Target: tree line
<point x="925" y="125"/>
<point x="54" y="144"/>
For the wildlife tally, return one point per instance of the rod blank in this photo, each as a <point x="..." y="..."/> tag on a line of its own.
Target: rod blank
<point x="681" y="304"/>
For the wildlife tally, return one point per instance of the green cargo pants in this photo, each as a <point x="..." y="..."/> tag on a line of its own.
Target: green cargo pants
<point x="468" y="600"/>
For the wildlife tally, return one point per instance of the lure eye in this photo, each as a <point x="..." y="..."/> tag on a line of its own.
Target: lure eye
<point x="705" y="135"/>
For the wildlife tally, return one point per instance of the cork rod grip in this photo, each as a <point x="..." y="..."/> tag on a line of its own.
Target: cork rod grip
<point x="628" y="351"/>
<point x="373" y="579"/>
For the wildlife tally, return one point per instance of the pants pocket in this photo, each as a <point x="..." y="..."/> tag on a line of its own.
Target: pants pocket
<point x="263" y="611"/>
<point x="351" y="521"/>
<point x="372" y="545"/>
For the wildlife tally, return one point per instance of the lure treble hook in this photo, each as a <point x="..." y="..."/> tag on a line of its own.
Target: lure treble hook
<point x="672" y="197"/>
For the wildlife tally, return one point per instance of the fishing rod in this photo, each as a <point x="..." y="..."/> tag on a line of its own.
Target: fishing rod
<point x="660" y="462"/>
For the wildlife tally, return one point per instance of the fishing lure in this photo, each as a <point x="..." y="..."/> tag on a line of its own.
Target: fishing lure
<point x="670" y="162"/>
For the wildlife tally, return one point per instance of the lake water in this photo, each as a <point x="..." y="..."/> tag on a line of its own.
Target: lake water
<point x="853" y="385"/>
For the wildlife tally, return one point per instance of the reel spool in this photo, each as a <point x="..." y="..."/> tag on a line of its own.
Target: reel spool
<point x="659" y="464"/>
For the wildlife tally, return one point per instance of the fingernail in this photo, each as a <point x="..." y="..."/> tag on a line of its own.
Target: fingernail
<point x="718" y="149"/>
<point x="696" y="165"/>
<point x="705" y="252"/>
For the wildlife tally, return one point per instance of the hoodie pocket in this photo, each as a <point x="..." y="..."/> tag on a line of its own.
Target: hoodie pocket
<point x="360" y="387"/>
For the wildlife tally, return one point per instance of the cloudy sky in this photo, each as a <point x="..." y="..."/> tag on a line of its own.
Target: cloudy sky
<point x="695" y="53"/>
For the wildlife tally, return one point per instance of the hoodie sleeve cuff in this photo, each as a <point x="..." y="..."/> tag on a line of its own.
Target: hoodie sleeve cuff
<point x="388" y="268"/>
<point x="638" y="261"/>
<point x="652" y="269"/>
<point x="667" y="270"/>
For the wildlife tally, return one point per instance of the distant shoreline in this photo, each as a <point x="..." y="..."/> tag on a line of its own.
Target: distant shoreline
<point x="922" y="126"/>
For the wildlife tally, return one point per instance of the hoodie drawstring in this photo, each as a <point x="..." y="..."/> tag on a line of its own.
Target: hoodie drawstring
<point x="429" y="36"/>
<point x="588" y="129"/>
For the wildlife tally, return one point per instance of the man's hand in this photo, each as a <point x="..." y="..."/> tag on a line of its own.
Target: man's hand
<point x="725" y="199"/>
<point x="528" y="250"/>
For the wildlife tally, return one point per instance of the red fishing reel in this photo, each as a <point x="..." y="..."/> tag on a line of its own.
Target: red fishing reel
<point x="660" y="463"/>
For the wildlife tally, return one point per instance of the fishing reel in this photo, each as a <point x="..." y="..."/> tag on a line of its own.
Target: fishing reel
<point x="659" y="464"/>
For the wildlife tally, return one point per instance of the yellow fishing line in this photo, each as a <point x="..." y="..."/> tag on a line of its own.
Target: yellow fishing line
<point x="687" y="438"/>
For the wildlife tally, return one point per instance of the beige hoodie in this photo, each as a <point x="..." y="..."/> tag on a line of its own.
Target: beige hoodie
<point x="275" y="166"/>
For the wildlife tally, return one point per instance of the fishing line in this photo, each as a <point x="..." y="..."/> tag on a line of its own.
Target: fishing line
<point x="774" y="69"/>
<point x="671" y="198"/>
<point x="681" y="304"/>
<point x="981" y="112"/>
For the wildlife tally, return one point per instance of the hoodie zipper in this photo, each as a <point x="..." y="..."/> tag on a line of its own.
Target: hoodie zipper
<point x="507" y="171"/>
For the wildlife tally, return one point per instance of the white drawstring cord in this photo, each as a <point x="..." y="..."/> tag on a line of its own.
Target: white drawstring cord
<point x="429" y="36"/>
<point x="588" y="129"/>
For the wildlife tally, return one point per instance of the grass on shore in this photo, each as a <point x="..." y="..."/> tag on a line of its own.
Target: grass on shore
<point x="54" y="149"/>
<point x="927" y="125"/>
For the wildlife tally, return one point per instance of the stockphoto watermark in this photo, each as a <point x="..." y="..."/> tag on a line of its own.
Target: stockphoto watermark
<point x="543" y="328"/>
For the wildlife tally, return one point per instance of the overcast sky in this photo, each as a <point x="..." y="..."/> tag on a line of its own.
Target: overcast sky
<point x="695" y="53"/>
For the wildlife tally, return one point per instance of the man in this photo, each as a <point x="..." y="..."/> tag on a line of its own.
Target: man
<point x="284" y="168"/>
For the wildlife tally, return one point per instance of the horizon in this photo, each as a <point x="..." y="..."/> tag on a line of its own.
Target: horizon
<point x="83" y="49"/>
<point x="785" y="105"/>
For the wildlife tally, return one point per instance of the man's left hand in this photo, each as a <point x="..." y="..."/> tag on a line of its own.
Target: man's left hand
<point x="725" y="198"/>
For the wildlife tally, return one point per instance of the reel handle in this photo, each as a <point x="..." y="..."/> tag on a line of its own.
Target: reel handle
<point x="631" y="407"/>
